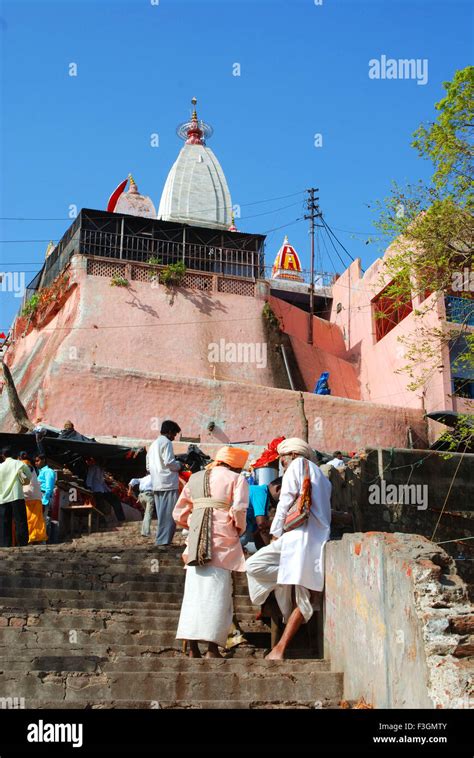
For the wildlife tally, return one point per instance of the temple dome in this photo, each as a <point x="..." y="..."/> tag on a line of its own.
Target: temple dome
<point x="135" y="204"/>
<point x="287" y="263"/>
<point x="196" y="190"/>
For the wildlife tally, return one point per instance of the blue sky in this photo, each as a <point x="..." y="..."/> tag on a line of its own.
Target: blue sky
<point x="303" y="71"/>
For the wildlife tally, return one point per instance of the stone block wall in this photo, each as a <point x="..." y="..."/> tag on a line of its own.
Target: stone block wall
<point x="398" y="622"/>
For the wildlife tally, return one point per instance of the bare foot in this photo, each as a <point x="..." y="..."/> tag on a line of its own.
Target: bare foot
<point x="274" y="655"/>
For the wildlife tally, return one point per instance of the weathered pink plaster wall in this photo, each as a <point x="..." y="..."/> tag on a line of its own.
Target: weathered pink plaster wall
<point x="325" y="354"/>
<point x="132" y="403"/>
<point x="117" y="362"/>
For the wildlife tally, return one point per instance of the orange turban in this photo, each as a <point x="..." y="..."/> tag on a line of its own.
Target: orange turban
<point x="233" y="456"/>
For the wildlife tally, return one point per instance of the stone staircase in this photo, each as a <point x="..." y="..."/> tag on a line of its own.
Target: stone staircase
<point x="91" y="624"/>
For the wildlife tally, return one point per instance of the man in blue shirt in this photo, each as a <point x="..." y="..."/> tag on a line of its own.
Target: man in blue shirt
<point x="261" y="496"/>
<point x="47" y="480"/>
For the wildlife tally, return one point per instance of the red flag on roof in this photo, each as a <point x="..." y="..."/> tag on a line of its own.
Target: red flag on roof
<point x="115" y="196"/>
<point x="3" y="336"/>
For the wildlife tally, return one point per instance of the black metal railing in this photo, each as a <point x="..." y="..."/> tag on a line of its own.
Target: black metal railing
<point x="140" y="249"/>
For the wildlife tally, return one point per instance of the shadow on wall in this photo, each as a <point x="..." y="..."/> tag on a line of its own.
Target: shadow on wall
<point x="204" y="303"/>
<point x="137" y="303"/>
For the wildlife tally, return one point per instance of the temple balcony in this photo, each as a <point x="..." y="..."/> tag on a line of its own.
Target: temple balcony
<point x="140" y="240"/>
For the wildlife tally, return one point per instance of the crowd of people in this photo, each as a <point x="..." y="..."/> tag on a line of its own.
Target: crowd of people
<point x="221" y="510"/>
<point x="26" y="491"/>
<point x="222" y="513"/>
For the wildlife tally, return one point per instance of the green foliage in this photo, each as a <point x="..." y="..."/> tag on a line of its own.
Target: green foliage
<point x="31" y="306"/>
<point x="119" y="281"/>
<point x="448" y="141"/>
<point x="270" y="316"/>
<point x="172" y="275"/>
<point x="433" y="229"/>
<point x="461" y="439"/>
<point x="154" y="273"/>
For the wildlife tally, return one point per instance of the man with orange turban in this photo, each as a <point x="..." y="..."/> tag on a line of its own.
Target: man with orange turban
<point x="213" y="506"/>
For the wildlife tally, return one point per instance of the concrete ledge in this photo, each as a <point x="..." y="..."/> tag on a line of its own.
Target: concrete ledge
<point x="394" y="607"/>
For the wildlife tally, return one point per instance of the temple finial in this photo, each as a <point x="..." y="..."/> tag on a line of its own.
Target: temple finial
<point x="194" y="103"/>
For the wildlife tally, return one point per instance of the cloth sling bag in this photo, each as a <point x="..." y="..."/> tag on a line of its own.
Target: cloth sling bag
<point x="298" y="513"/>
<point x="200" y="522"/>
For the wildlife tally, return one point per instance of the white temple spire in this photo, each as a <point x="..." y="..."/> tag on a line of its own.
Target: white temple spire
<point x="196" y="190"/>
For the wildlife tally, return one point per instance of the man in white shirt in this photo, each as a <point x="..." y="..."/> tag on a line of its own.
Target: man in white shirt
<point x="145" y="497"/>
<point x="164" y="468"/>
<point x="13" y="475"/>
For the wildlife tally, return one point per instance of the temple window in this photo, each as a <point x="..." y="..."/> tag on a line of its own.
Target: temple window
<point x="388" y="311"/>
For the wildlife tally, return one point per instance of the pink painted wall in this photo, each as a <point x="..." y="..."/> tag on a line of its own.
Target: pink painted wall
<point x="118" y="361"/>
<point x="133" y="404"/>
<point x="381" y="361"/>
<point x="325" y="354"/>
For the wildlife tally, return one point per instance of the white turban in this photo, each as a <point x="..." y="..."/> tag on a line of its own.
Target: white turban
<point x="298" y="446"/>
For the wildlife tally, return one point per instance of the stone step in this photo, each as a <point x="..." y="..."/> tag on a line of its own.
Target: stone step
<point x="285" y="685"/>
<point x="56" y="583"/>
<point x="131" y="650"/>
<point x="32" y="637"/>
<point x="325" y="703"/>
<point x="110" y="575"/>
<point x="48" y="601"/>
<point x="164" y="621"/>
<point x="136" y="568"/>
<point x="25" y="661"/>
<point x="97" y="598"/>
<point x="91" y="618"/>
<point x="148" y="584"/>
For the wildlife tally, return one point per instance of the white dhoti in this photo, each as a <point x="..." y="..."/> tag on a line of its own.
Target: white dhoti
<point x="206" y="612"/>
<point x="262" y="575"/>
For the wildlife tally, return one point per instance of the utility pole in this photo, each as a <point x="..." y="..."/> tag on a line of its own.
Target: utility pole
<point x="314" y="212"/>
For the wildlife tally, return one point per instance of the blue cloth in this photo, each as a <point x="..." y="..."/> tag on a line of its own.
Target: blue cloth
<point x="258" y="505"/>
<point x="47" y="480"/>
<point x="322" y="387"/>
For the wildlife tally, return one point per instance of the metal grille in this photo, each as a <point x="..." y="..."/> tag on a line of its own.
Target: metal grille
<point x="197" y="282"/>
<point x="104" y="268"/>
<point x="236" y="287"/>
<point x="142" y="273"/>
<point x="211" y="258"/>
<point x="459" y="310"/>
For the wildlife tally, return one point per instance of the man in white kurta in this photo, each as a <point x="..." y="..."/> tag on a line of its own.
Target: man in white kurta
<point x="295" y="558"/>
